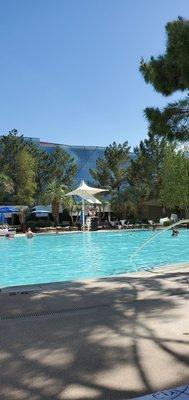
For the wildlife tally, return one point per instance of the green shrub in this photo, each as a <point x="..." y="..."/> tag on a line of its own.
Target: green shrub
<point x="16" y="227"/>
<point x="167" y="223"/>
<point x="39" y="223"/>
<point x="65" y="223"/>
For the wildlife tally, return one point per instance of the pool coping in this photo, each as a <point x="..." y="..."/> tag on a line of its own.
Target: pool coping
<point x="59" y="285"/>
<point x="21" y="234"/>
<point x="109" y="320"/>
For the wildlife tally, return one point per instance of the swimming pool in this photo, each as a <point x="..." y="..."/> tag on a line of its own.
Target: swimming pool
<point x="55" y="258"/>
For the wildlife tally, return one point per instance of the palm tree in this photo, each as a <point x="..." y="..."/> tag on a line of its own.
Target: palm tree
<point x="54" y="194"/>
<point x="73" y="208"/>
<point x="130" y="201"/>
<point x="137" y="194"/>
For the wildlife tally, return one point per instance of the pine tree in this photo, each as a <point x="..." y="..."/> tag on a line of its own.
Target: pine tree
<point x="25" y="178"/>
<point x="20" y="157"/>
<point x="145" y="167"/>
<point x="6" y="187"/>
<point x="169" y="73"/>
<point x="175" y="179"/>
<point x="111" y="171"/>
<point x="61" y="167"/>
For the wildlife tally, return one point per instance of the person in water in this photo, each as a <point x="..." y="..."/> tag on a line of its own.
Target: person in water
<point x="29" y="233"/>
<point x="10" y="235"/>
<point x="175" y="232"/>
<point x="154" y="226"/>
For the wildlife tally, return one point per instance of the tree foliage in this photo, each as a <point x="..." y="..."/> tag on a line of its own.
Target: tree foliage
<point x="54" y="193"/>
<point x="6" y="186"/>
<point x="61" y="167"/>
<point x="30" y="169"/>
<point x="18" y="163"/>
<point x="171" y="122"/>
<point x="73" y="208"/>
<point x="175" y="179"/>
<point x="25" y="178"/>
<point x="145" y="168"/>
<point x="123" y="206"/>
<point x="111" y="171"/>
<point x="168" y="73"/>
<point x="137" y="195"/>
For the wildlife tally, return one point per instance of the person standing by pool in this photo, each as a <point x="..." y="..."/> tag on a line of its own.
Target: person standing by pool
<point x="29" y="233"/>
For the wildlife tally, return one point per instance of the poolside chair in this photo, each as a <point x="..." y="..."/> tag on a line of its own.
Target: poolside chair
<point x="162" y="220"/>
<point x="129" y="226"/>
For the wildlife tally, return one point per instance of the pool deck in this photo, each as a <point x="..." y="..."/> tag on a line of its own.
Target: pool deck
<point x="115" y="338"/>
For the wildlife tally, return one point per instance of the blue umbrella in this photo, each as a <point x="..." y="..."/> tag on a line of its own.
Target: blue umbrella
<point x="2" y="219"/>
<point x="40" y="212"/>
<point x="7" y="210"/>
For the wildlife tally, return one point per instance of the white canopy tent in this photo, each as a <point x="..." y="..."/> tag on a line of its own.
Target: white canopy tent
<point x="86" y="193"/>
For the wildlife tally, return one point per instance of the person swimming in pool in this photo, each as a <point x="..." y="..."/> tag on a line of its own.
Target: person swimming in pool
<point x="175" y="232"/>
<point x="29" y="233"/>
<point x="10" y="235"/>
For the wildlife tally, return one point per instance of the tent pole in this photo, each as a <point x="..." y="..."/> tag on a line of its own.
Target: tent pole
<point x="83" y="214"/>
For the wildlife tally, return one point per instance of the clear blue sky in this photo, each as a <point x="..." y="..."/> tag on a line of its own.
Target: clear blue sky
<point x="69" y="68"/>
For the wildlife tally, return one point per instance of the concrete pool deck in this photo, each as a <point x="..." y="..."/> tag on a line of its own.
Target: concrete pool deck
<point x="114" y="338"/>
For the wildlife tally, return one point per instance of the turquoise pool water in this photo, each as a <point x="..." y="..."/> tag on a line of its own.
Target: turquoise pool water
<point x="54" y="258"/>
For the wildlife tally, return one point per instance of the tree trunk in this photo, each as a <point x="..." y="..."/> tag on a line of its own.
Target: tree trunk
<point x="71" y="216"/>
<point x="140" y="209"/>
<point x="22" y="219"/>
<point x="186" y="212"/>
<point x="102" y="212"/>
<point x="55" y="211"/>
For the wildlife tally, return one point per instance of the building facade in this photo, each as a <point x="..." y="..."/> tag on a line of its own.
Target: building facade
<point x="85" y="156"/>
